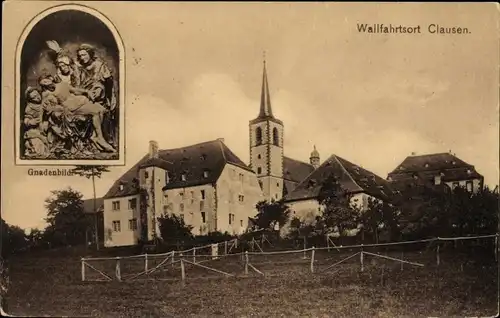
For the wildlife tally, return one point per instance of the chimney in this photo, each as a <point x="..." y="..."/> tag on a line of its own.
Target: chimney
<point x="221" y="139"/>
<point x="413" y="153"/>
<point x="153" y="149"/>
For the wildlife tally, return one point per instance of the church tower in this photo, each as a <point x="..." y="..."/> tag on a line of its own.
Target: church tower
<point x="266" y="146"/>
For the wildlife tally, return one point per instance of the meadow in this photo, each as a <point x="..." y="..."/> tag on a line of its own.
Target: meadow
<point x="46" y="284"/>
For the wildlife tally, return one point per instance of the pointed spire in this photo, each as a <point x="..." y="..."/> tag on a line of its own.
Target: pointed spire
<point x="265" y="99"/>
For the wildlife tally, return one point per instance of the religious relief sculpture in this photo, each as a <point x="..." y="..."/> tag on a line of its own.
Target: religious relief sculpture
<point x="71" y="106"/>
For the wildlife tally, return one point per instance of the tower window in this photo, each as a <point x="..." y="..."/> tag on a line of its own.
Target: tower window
<point x="259" y="170"/>
<point x="275" y="137"/>
<point x="259" y="156"/>
<point x="258" y="136"/>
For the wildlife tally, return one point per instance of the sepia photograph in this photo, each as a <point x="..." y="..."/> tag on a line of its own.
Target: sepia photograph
<point x="263" y="159"/>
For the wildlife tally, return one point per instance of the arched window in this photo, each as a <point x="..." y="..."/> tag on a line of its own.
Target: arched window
<point x="258" y="136"/>
<point x="276" y="140"/>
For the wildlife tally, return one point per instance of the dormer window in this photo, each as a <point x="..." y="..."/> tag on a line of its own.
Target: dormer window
<point x="427" y="165"/>
<point x="469" y="171"/>
<point x="205" y="174"/>
<point x="167" y="177"/>
<point x="437" y="180"/>
<point x="183" y="177"/>
<point x="415" y="176"/>
<point x="453" y="163"/>
<point x="203" y="157"/>
<point x="121" y="187"/>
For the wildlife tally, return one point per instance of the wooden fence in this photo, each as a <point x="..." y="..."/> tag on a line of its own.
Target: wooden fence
<point x="227" y="259"/>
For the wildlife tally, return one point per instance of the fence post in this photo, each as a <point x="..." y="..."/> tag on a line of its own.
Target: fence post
<point x="146" y="262"/>
<point x="225" y="248"/>
<point x="402" y="257"/>
<point x="183" y="272"/>
<point x="117" y="270"/>
<point x="496" y="248"/>
<point x="194" y="254"/>
<point x="312" y="259"/>
<point x="172" y="260"/>
<point x="246" y="262"/>
<point x="437" y="256"/>
<point x="361" y="260"/>
<point x="262" y="239"/>
<point x="83" y="269"/>
<point x="305" y="246"/>
<point x="235" y="243"/>
<point x="327" y="242"/>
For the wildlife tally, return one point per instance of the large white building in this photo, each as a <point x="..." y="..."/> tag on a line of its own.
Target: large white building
<point x="212" y="189"/>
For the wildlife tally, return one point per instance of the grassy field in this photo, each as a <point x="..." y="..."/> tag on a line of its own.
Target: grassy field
<point x="52" y="286"/>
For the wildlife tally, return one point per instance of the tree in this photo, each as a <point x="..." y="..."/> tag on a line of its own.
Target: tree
<point x="92" y="172"/>
<point x="66" y="218"/>
<point x="380" y="215"/>
<point x="271" y="214"/>
<point x="173" y="227"/>
<point x="13" y="239"/>
<point x="453" y="213"/>
<point x="339" y="210"/>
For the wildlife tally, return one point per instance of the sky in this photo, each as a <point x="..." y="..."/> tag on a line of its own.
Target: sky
<point x="194" y="70"/>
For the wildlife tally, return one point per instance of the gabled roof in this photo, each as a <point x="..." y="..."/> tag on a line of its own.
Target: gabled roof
<point x="352" y="177"/>
<point x="191" y="161"/>
<point x="88" y="205"/>
<point x="429" y="162"/>
<point x="426" y="167"/>
<point x="294" y="172"/>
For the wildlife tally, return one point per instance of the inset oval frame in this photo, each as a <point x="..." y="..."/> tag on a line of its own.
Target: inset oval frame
<point x="70" y="89"/>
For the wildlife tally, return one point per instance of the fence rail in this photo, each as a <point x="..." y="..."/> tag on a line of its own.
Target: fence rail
<point x="220" y="257"/>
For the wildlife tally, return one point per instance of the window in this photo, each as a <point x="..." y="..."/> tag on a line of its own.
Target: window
<point x="230" y="218"/>
<point x="203" y="157"/>
<point x="132" y="224"/>
<point x="181" y="207"/>
<point x="278" y="184"/>
<point x="259" y="170"/>
<point x="165" y="198"/>
<point x="165" y="209"/>
<point x="455" y="185"/>
<point x="241" y="198"/>
<point x="183" y="177"/>
<point x="116" y="226"/>
<point x="275" y="137"/>
<point x="132" y="204"/>
<point x="203" y="217"/>
<point x="205" y="174"/>
<point x="437" y="179"/>
<point x="116" y="205"/>
<point x="259" y="156"/>
<point x="146" y="174"/>
<point x="258" y="136"/>
<point x="167" y="177"/>
<point x="203" y="194"/>
<point x="181" y="194"/>
<point x="469" y="186"/>
<point x="202" y="205"/>
<point x="241" y="223"/>
<point x="241" y="177"/>
<point x="121" y="187"/>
